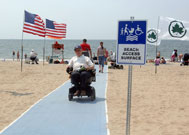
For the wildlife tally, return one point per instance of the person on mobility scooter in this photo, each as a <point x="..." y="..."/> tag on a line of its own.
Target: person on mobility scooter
<point x="82" y="73"/>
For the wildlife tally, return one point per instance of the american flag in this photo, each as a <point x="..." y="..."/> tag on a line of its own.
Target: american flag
<point x="55" y="30"/>
<point x="33" y="24"/>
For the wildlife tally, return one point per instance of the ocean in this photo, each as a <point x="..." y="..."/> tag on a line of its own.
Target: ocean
<point x="8" y="45"/>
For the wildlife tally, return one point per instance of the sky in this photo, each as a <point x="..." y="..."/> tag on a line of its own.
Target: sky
<point x="91" y="19"/>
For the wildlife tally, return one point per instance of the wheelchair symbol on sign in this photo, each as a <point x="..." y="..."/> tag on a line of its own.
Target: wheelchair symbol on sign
<point x="131" y="34"/>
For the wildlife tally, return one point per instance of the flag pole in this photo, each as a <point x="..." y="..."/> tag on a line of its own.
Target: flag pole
<point x="44" y="51"/>
<point x="22" y="52"/>
<point x="22" y="45"/>
<point x="156" y="44"/>
<point x="63" y="52"/>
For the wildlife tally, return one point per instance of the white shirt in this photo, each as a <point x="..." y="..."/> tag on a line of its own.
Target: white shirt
<point x="78" y="62"/>
<point x="113" y="56"/>
<point x="33" y="54"/>
<point x="101" y="51"/>
<point x="173" y="53"/>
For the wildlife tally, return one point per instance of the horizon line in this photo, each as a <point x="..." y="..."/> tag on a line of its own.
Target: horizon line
<point x="51" y="39"/>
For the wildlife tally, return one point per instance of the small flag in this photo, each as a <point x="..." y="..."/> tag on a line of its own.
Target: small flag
<point x="55" y="30"/>
<point x="33" y="24"/>
<point x="173" y="29"/>
<point x="152" y="37"/>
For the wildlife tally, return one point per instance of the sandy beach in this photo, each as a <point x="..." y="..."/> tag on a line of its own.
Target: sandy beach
<point x="160" y="103"/>
<point x="18" y="91"/>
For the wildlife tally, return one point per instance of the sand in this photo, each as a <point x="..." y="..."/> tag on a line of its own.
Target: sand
<point x="160" y="103"/>
<point x="18" y="91"/>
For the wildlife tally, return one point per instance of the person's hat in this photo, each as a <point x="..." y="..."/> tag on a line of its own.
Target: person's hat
<point x="77" y="47"/>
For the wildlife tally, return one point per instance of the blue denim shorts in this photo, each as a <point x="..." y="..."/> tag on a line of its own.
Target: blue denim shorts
<point x="101" y="60"/>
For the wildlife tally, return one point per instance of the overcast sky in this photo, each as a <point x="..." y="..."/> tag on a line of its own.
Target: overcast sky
<point x="91" y="19"/>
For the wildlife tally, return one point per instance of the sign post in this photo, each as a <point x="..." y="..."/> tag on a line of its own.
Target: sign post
<point x="131" y="50"/>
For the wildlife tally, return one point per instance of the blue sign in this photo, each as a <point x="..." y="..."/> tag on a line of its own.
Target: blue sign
<point x="131" y="44"/>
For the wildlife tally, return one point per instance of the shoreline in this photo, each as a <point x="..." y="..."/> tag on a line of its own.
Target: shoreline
<point x="8" y="59"/>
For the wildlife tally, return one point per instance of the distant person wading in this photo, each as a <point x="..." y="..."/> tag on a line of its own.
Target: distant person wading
<point x="13" y="55"/>
<point x="18" y="56"/>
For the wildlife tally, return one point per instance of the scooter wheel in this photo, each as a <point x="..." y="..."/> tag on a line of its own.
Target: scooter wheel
<point x="93" y="94"/>
<point x="70" y="97"/>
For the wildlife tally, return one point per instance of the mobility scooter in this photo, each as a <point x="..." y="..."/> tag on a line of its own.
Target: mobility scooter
<point x="89" y="91"/>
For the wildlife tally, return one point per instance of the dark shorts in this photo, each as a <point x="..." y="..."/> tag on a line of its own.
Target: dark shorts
<point x="32" y="58"/>
<point x="85" y="54"/>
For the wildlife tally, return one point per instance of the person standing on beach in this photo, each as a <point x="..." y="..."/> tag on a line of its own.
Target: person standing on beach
<point x="180" y="57"/>
<point x="158" y="54"/>
<point x="18" y="56"/>
<point x="174" y="56"/>
<point x="86" y="48"/>
<point x="13" y="55"/>
<point x="101" y="51"/>
<point x="157" y="61"/>
<point x="25" y="56"/>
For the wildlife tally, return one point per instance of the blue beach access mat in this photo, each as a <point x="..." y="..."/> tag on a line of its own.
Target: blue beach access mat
<point x="56" y="115"/>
